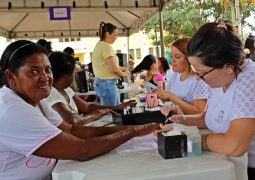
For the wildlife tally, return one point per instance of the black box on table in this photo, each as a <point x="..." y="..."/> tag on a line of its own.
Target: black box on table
<point x="170" y="147"/>
<point x="142" y="118"/>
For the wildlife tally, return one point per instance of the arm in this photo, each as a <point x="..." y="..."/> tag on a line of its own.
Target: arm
<point x="73" y="117"/>
<point x="115" y="68"/>
<point x="197" y="106"/>
<point x="83" y="143"/>
<point x="188" y="120"/>
<point x="123" y="68"/>
<point x="235" y="141"/>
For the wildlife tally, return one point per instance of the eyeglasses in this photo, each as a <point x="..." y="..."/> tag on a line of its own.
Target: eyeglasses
<point x="203" y="76"/>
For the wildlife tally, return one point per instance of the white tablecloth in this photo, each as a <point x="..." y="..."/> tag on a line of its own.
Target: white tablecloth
<point x="148" y="164"/>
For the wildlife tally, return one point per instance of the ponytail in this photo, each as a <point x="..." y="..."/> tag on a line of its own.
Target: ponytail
<point x="104" y="28"/>
<point x="101" y="26"/>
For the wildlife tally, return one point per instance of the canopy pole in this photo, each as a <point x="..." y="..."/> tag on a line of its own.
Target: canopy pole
<point x="128" y="44"/>
<point x="162" y="46"/>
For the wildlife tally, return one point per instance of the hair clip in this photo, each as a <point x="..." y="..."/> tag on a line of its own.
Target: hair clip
<point x="222" y="25"/>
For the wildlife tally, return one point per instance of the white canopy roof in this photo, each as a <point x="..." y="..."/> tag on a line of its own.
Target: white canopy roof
<point x="31" y="18"/>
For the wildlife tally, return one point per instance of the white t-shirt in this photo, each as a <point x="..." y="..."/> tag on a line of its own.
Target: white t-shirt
<point x="23" y="129"/>
<point x="237" y="102"/>
<point x="56" y="97"/>
<point x="188" y="89"/>
<point x="168" y="75"/>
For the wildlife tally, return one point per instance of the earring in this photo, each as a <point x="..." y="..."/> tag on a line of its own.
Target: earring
<point x="13" y="83"/>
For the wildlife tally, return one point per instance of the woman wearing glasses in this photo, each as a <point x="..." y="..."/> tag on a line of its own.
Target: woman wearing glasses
<point x="183" y="89"/>
<point x="216" y="55"/>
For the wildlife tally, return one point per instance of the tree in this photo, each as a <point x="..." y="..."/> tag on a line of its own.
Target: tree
<point x="246" y="8"/>
<point x="183" y="17"/>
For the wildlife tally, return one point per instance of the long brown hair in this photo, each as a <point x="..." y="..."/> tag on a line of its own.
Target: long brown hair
<point x="182" y="45"/>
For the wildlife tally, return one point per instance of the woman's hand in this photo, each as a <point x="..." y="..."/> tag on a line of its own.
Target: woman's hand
<point x="177" y="117"/>
<point x="126" y="72"/>
<point x="131" y="103"/>
<point x="100" y="113"/>
<point x="162" y="94"/>
<point x="164" y="128"/>
<point x="145" y="129"/>
<point x="174" y="109"/>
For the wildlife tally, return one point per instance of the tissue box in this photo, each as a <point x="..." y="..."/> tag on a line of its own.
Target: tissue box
<point x="170" y="147"/>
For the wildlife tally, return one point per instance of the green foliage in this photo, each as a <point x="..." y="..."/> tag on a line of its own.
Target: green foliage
<point x="181" y="18"/>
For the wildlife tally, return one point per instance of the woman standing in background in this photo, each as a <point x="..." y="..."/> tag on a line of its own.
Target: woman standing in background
<point x="106" y="66"/>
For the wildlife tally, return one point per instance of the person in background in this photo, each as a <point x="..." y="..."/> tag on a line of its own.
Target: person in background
<point x="150" y="64"/>
<point x="106" y="66"/>
<point x="250" y="45"/>
<point x="35" y="136"/>
<point x="46" y="45"/>
<point x="183" y="89"/>
<point x="72" y="108"/>
<point x="216" y="55"/>
<point x="163" y="65"/>
<point x="1" y="78"/>
<point x="131" y="63"/>
<point x="79" y="66"/>
<point x="69" y="51"/>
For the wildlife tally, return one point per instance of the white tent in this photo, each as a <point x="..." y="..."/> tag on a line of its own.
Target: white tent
<point x="31" y="18"/>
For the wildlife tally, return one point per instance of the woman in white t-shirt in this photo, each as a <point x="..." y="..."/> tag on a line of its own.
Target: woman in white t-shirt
<point x="72" y="108"/>
<point x="183" y="89"/>
<point x="216" y="54"/>
<point x="32" y="134"/>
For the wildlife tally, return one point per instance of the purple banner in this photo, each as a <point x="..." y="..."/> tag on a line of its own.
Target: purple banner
<point x="60" y="12"/>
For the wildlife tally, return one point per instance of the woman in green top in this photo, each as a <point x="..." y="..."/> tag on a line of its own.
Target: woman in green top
<point x="106" y="66"/>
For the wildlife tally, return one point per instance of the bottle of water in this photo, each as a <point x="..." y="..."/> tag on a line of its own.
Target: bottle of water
<point x="159" y="78"/>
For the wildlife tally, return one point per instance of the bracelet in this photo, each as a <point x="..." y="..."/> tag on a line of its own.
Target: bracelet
<point x="205" y="143"/>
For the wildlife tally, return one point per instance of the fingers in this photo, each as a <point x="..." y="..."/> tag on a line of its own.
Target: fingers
<point x="175" y="109"/>
<point x="179" y="119"/>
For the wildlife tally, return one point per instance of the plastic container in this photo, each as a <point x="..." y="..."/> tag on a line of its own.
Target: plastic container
<point x="194" y="144"/>
<point x="159" y="79"/>
<point x="142" y="102"/>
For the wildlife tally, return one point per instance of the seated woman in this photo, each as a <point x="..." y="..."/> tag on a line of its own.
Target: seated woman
<point x="183" y="89"/>
<point x="72" y="108"/>
<point x="216" y="54"/>
<point x="163" y="66"/>
<point x="33" y="135"/>
<point x="150" y="64"/>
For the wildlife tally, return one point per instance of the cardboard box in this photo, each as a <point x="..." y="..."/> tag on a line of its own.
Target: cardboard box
<point x="170" y="147"/>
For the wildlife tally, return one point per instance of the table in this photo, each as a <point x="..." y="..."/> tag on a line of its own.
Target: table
<point x="126" y="90"/>
<point x="142" y="165"/>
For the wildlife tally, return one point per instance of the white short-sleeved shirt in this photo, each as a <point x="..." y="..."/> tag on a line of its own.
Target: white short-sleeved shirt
<point x="56" y="97"/>
<point x="168" y="75"/>
<point x="237" y="102"/>
<point x="23" y="129"/>
<point x="188" y="89"/>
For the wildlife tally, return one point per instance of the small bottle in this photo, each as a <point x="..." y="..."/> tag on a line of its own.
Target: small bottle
<point x="159" y="78"/>
<point x="194" y="142"/>
<point x="142" y="102"/>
